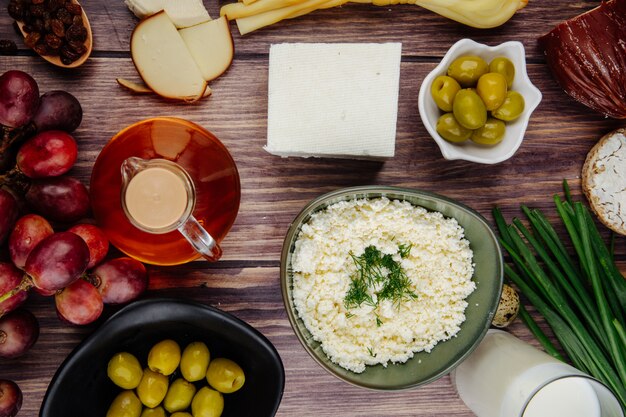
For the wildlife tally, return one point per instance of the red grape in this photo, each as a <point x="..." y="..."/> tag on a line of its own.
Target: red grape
<point x="9" y="212"/>
<point x="95" y="239"/>
<point x="19" y="98"/>
<point x="48" y="154"/>
<point x="19" y="331"/>
<point x="62" y="199"/>
<point x="57" y="261"/>
<point x="58" y="110"/>
<point x="120" y="280"/>
<point x="10" y="398"/>
<point x="29" y="230"/>
<point x="10" y="279"/>
<point x="79" y="303"/>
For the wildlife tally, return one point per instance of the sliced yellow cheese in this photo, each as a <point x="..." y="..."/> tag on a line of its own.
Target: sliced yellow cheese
<point x="185" y="13"/>
<point x="163" y="60"/>
<point x="211" y="46"/>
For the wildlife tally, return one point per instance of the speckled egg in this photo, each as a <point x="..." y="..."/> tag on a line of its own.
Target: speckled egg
<point x="508" y="307"/>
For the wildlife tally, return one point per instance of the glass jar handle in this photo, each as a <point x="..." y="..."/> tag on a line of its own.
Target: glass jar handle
<point x="200" y="239"/>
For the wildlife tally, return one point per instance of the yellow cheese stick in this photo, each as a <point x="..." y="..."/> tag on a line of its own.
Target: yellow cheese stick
<point x="234" y="11"/>
<point x="252" y="23"/>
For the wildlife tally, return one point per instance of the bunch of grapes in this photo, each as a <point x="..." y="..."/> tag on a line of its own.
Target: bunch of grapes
<point x="65" y="262"/>
<point x="37" y="150"/>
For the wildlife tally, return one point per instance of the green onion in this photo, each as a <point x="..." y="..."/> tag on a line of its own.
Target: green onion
<point x="582" y="296"/>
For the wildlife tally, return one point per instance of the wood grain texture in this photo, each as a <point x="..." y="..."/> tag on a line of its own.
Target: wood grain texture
<point x="246" y="282"/>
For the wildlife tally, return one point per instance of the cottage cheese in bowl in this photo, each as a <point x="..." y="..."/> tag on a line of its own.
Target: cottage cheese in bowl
<point x="427" y="267"/>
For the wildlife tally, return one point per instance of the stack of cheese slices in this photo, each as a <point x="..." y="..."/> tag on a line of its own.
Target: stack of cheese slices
<point x="177" y="48"/>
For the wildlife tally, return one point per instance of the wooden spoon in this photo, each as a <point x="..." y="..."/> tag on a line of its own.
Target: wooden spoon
<point x="56" y="60"/>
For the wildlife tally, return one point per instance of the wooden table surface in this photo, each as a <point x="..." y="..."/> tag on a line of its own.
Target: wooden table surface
<point x="246" y="281"/>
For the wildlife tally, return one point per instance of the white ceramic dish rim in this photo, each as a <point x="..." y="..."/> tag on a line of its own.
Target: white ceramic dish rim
<point x="532" y="97"/>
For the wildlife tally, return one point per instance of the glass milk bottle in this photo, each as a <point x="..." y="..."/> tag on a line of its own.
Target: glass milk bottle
<point x="506" y="377"/>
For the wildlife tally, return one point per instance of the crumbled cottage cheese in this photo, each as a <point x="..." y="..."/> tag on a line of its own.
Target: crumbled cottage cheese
<point x="439" y="267"/>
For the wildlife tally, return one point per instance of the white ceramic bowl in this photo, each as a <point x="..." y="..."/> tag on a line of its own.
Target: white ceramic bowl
<point x="469" y="151"/>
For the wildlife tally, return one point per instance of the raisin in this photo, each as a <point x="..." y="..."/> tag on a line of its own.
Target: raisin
<point x="78" y="47"/>
<point x="37" y="1"/>
<point x="38" y="25"/>
<point x="76" y="33"/>
<point x="37" y="10"/>
<point x="53" y="41"/>
<point x="8" y="47"/>
<point x="74" y="9"/>
<point x="16" y="10"/>
<point x="58" y="28"/>
<point x="41" y="49"/>
<point x="53" y="5"/>
<point x="32" y="38"/>
<point x="64" y="16"/>
<point x="78" y="20"/>
<point x="66" y="52"/>
<point x="25" y="28"/>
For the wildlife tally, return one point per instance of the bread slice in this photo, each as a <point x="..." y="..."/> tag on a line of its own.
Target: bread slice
<point x="604" y="180"/>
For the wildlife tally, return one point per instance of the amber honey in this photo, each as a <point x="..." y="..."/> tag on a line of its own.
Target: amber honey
<point x="201" y="154"/>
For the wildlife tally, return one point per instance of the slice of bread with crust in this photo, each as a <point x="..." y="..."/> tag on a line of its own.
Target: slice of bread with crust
<point x="604" y="180"/>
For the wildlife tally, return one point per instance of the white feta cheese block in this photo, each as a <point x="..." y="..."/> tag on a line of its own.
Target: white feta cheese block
<point x="145" y="8"/>
<point x="333" y="100"/>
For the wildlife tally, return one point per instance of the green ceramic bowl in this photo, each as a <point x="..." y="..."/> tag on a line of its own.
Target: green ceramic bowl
<point x="482" y="303"/>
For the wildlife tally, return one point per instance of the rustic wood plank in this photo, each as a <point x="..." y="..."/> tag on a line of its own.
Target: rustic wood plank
<point x="112" y="26"/>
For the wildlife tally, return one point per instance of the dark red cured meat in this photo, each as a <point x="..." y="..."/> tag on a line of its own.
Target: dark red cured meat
<point x="587" y="56"/>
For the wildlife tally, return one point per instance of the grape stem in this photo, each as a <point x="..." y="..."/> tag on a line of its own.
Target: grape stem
<point x="25" y="285"/>
<point x="11" y="136"/>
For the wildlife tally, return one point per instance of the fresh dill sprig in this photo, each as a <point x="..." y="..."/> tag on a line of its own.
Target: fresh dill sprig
<point x="379" y="275"/>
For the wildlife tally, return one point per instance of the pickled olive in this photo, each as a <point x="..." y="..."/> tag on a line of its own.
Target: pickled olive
<point x="164" y="357"/>
<point x="152" y="388"/>
<point x="451" y="130"/>
<point x="491" y="88"/>
<point x="180" y="414"/>
<point x="225" y="375"/>
<point x="179" y="395"/>
<point x="491" y="133"/>
<point x="207" y="403"/>
<point x="195" y="361"/>
<point x="468" y="69"/>
<point x="126" y="404"/>
<point x="443" y="90"/>
<point x="153" y="412"/>
<point x="503" y="66"/>
<point x="124" y="370"/>
<point x="512" y="107"/>
<point x="469" y="110"/>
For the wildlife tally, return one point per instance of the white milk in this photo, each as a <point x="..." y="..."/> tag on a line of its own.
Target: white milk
<point x="504" y="374"/>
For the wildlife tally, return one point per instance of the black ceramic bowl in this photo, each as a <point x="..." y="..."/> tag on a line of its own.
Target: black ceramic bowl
<point x="81" y="387"/>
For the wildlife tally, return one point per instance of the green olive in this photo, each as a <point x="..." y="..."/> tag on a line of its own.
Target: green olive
<point x="124" y="370"/>
<point x="152" y="388"/>
<point x="164" y="357"/>
<point x="469" y="110"/>
<point x="153" y="412"/>
<point x="491" y="88"/>
<point x="179" y="395"/>
<point x="181" y="414"/>
<point x="468" y="69"/>
<point x="443" y="90"/>
<point x="491" y="133"/>
<point x="195" y="361"/>
<point x="503" y="66"/>
<point x="225" y="375"/>
<point x="451" y="130"/>
<point x="207" y="403"/>
<point x="126" y="404"/>
<point x="512" y="107"/>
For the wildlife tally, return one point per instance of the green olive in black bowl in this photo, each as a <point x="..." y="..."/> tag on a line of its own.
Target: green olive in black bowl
<point x="81" y="386"/>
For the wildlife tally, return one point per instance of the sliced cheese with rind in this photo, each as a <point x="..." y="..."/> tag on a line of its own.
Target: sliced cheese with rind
<point x="211" y="45"/>
<point x="163" y="60"/>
